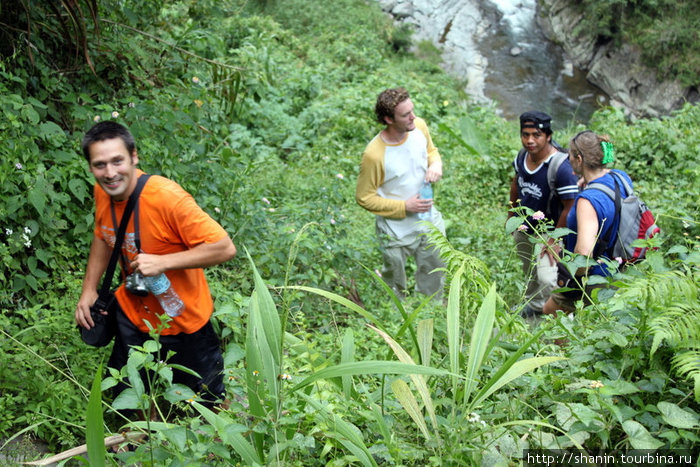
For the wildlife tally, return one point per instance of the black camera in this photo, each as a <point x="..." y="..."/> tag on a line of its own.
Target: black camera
<point x="136" y="284"/>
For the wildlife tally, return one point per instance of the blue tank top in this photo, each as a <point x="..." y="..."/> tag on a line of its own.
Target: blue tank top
<point x="605" y="212"/>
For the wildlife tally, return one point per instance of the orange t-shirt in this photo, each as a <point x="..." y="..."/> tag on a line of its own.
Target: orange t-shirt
<point x="169" y="221"/>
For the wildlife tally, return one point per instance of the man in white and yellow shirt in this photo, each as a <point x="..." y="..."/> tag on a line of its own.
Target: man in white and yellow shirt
<point x="394" y="166"/>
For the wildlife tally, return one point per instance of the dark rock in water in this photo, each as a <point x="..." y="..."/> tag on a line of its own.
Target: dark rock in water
<point x="616" y="69"/>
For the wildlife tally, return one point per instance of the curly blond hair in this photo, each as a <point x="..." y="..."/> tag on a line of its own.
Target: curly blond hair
<point x="387" y="102"/>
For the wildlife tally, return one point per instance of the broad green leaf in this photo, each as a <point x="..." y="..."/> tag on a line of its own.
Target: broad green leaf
<point x="50" y="130"/>
<point x="618" y="339"/>
<point x="37" y="196"/>
<point x="408" y="402"/>
<point x="582" y="413"/>
<point x="30" y="114"/>
<point x="166" y="374"/>
<point x="150" y="346"/>
<point x="560" y="232"/>
<point x="618" y="388"/>
<point x="639" y="437"/>
<point x="233" y="354"/>
<point x="178" y="393"/>
<point x="177" y="436"/>
<point x="127" y="399"/>
<point x="677" y="417"/>
<point x="133" y="365"/>
<point x="513" y="223"/>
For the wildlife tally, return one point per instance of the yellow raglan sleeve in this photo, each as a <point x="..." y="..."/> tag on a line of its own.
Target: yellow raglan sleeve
<point x="433" y="154"/>
<point x="370" y="179"/>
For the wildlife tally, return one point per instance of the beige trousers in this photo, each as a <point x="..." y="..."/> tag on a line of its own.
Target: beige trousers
<point x="395" y="253"/>
<point x="541" y="276"/>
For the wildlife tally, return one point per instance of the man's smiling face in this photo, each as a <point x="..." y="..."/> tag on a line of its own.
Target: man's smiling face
<point x="113" y="167"/>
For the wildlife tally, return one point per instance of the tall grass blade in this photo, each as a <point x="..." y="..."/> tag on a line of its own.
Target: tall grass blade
<point x="20" y="433"/>
<point x="452" y="321"/>
<point x="368" y="367"/>
<point x="408" y="402"/>
<point x="425" y="340"/>
<point x="467" y="146"/>
<point x="418" y="380"/>
<point x="347" y="355"/>
<point x="268" y="313"/>
<point x="383" y="426"/>
<point x="94" y="427"/>
<point x="519" y="368"/>
<point x="481" y="335"/>
<point x="229" y="437"/>
<point x="341" y="301"/>
<point x="542" y="424"/>
<point x="263" y="354"/>
<point x="350" y="435"/>
<point x="515" y="356"/>
<point x="407" y="320"/>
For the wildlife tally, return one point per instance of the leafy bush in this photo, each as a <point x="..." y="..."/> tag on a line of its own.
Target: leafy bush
<point x="656" y="26"/>
<point x="262" y="110"/>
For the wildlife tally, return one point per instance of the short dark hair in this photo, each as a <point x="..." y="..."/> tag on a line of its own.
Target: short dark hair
<point x="387" y="102"/>
<point x="538" y="120"/>
<point x="107" y="130"/>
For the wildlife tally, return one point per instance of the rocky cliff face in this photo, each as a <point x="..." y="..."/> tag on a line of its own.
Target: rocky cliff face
<point x="457" y="26"/>
<point x="616" y="70"/>
<point x="453" y="25"/>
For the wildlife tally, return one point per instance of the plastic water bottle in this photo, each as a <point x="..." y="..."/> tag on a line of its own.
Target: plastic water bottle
<point x="169" y="299"/>
<point x="426" y="192"/>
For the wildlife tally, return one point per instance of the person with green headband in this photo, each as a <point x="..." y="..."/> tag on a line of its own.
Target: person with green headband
<point x="592" y="218"/>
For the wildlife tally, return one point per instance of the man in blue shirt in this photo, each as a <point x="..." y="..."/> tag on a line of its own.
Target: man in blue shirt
<point x="544" y="182"/>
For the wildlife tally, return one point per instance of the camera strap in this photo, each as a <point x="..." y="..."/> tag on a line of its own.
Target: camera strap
<point x="119" y="239"/>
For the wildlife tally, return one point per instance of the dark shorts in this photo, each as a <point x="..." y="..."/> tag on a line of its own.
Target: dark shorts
<point x="199" y="351"/>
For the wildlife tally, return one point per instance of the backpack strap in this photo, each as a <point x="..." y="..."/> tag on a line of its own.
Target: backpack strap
<point x="120" y="231"/>
<point x="603" y="245"/>
<point x="519" y="157"/>
<point x="554" y="163"/>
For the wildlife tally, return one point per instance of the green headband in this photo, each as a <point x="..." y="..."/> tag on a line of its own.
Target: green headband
<point x="608" y="152"/>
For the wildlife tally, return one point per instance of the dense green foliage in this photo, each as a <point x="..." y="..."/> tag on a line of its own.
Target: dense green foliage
<point x="667" y="32"/>
<point x="261" y="110"/>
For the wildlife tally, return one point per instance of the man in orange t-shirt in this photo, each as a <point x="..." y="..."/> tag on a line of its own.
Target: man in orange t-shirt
<point x="177" y="239"/>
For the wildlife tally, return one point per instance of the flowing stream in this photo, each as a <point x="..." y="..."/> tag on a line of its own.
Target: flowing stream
<point x="526" y="71"/>
<point x="499" y="50"/>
